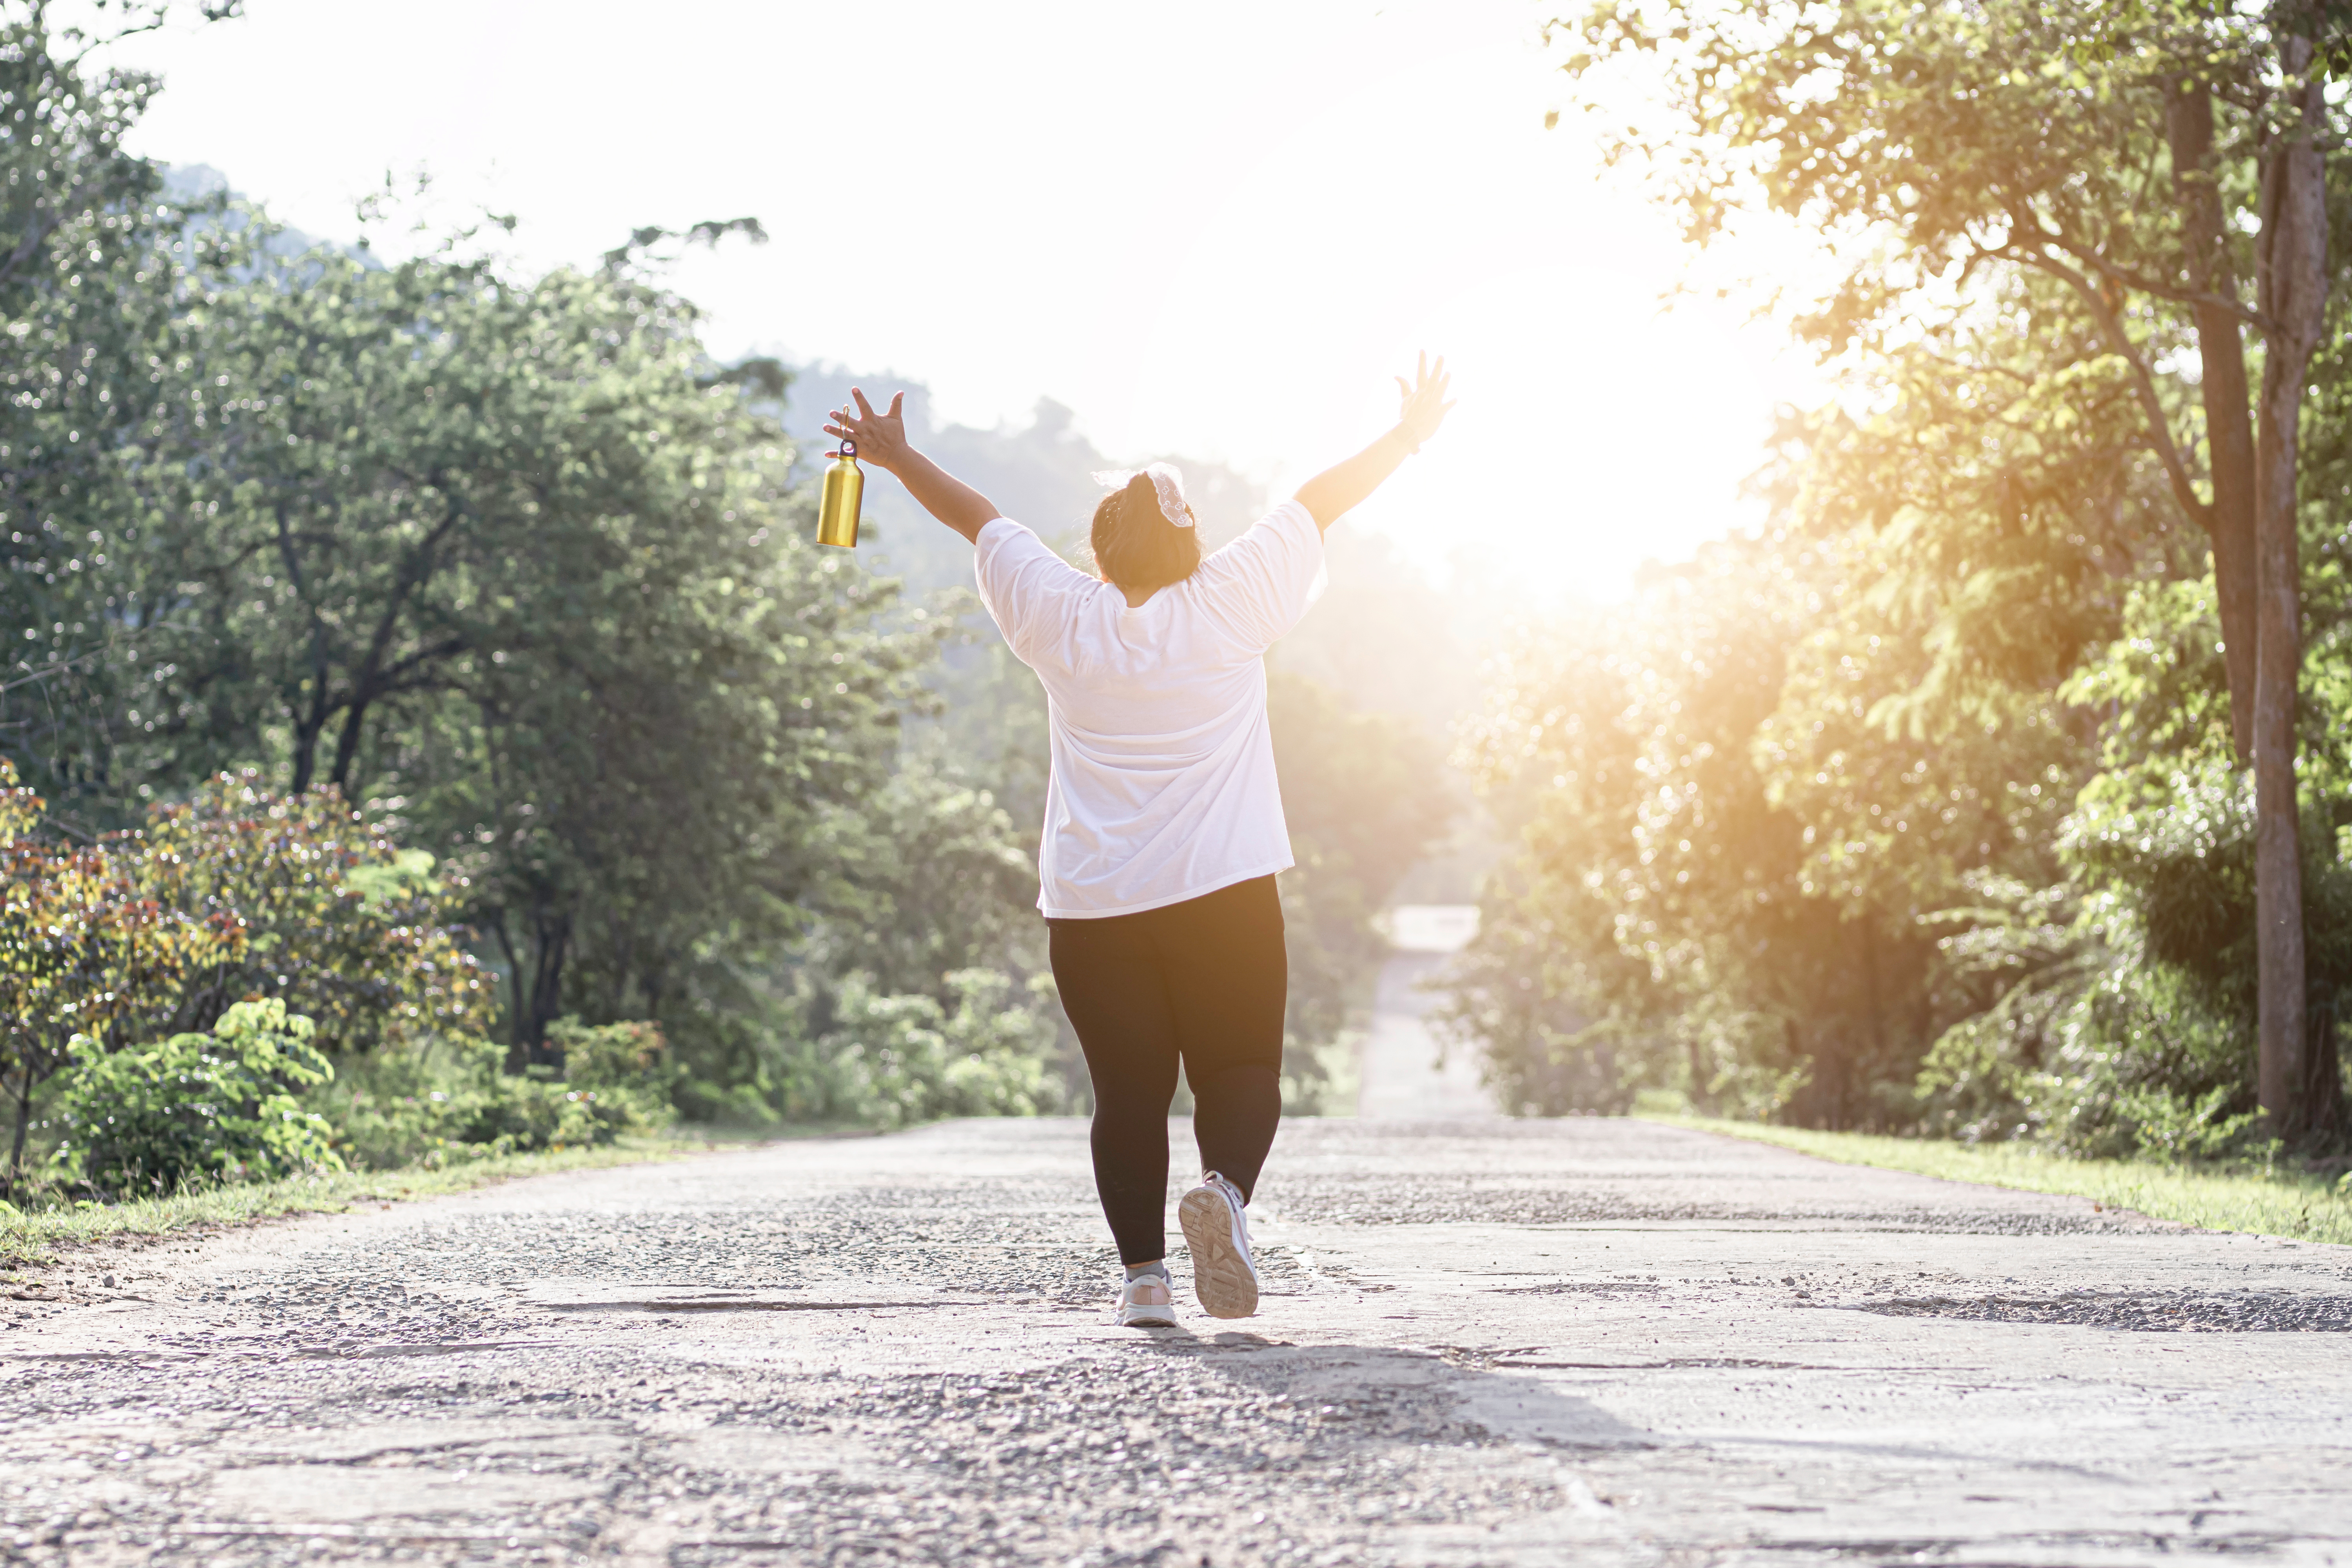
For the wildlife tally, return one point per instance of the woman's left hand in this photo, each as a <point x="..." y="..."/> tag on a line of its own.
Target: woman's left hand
<point x="1426" y="407"/>
<point x="880" y="438"/>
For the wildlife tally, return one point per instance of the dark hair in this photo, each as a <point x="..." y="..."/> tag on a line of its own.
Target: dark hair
<point x="1135" y="545"/>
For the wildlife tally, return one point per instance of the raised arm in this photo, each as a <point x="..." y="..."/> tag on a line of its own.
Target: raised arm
<point x="1333" y="493"/>
<point x="881" y="440"/>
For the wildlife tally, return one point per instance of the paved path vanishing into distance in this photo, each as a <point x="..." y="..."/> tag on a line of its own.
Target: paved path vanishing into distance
<point x="1404" y="1074"/>
<point x="1492" y="1341"/>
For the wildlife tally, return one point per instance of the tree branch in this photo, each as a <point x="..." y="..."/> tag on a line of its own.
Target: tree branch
<point x="2130" y="280"/>
<point x="2143" y="381"/>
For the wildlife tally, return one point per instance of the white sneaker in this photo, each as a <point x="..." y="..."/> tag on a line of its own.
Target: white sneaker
<point x="1144" y="1303"/>
<point x="1224" y="1275"/>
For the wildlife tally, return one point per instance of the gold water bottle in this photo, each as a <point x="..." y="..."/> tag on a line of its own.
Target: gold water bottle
<point x="837" y="510"/>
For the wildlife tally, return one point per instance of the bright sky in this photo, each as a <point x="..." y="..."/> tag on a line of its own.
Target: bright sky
<point x="1213" y="227"/>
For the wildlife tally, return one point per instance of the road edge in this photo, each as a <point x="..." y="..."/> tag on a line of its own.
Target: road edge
<point x="2287" y="1205"/>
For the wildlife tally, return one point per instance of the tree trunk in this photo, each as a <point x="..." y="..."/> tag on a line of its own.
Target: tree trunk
<point x="2228" y="423"/>
<point x="308" y="727"/>
<point x="347" y="744"/>
<point x="549" y="951"/>
<point x="2292" y="285"/>
<point x="306" y="754"/>
<point x="516" y="1007"/>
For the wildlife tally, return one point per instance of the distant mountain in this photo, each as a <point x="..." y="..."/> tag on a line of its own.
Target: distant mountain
<point x="191" y="182"/>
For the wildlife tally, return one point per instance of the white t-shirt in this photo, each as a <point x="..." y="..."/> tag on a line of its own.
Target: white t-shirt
<point x="1163" y="785"/>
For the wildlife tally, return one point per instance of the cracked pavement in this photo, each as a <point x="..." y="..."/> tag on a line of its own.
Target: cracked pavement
<point x="1509" y="1343"/>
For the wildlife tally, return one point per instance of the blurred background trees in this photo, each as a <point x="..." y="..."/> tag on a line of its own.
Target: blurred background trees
<point x="440" y="652"/>
<point x="1997" y="785"/>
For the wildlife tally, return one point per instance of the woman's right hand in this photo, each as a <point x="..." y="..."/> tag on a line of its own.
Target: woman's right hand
<point x="1426" y="407"/>
<point x="1333" y="493"/>
<point x="880" y="438"/>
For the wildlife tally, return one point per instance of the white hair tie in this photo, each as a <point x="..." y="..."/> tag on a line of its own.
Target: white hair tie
<point x="1166" y="481"/>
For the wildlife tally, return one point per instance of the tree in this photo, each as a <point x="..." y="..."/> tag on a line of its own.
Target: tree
<point x="501" y="553"/>
<point x="101" y="276"/>
<point x="1676" y="919"/>
<point x="2126" y="155"/>
<point x="2291" y="293"/>
<point x="662" y="691"/>
<point x="429" y="583"/>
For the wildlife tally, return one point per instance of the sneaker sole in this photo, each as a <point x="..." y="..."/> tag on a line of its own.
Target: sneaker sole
<point x="1222" y="1275"/>
<point x="1148" y="1317"/>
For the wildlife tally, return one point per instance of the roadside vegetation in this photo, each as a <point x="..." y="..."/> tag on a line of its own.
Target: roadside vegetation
<point x="2262" y="1200"/>
<point x="1998" y="787"/>
<point x="34" y="1238"/>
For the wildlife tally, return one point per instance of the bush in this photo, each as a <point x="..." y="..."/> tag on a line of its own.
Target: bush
<point x="219" y="1104"/>
<point x="457" y="1101"/>
<point x="627" y="1063"/>
<point x="2108" y="1062"/>
<point x="892" y="1060"/>
<point x="351" y="930"/>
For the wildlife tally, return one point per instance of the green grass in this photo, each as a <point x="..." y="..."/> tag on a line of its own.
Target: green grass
<point x="34" y="1237"/>
<point x="2298" y="1206"/>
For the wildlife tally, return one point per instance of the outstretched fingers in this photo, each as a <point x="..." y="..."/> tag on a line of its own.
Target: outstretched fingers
<point x="1428" y="379"/>
<point x="1424" y="398"/>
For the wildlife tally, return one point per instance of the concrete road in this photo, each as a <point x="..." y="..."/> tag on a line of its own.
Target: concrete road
<point x="1402" y="1075"/>
<point x="1403" y="1071"/>
<point x="1584" y="1341"/>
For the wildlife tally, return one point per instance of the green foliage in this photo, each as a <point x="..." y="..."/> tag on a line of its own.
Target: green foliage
<point x="348" y="929"/>
<point x="79" y="949"/>
<point x="892" y="1060"/>
<point x="457" y="1102"/>
<point x="1673" y="921"/>
<point x="629" y="1057"/>
<point x="489" y="555"/>
<point x="928" y="870"/>
<point x="102" y="277"/>
<point x="497" y="554"/>
<point x="432" y="649"/>
<point x="220" y="1104"/>
<point x="237" y="894"/>
<point x="1969" y="847"/>
<point x="2126" y="1027"/>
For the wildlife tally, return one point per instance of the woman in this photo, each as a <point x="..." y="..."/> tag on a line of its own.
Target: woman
<point x="1163" y="820"/>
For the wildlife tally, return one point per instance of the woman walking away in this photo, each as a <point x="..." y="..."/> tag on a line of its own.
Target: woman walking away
<point x="1163" y="820"/>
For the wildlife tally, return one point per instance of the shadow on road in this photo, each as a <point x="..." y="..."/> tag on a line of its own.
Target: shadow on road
<point x="1400" y="1394"/>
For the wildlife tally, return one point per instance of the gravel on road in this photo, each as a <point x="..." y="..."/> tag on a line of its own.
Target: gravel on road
<point x="1584" y="1341"/>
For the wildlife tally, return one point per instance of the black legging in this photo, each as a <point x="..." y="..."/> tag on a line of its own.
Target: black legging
<point x="1203" y="981"/>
